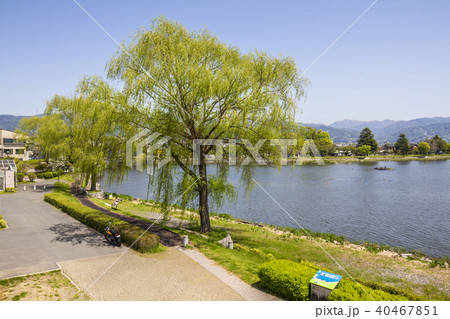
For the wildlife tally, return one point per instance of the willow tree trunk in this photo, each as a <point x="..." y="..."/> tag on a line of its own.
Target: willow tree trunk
<point x="93" y="182"/>
<point x="203" y="209"/>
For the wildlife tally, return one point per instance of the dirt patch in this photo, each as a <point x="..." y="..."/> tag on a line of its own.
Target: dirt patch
<point x="50" y="286"/>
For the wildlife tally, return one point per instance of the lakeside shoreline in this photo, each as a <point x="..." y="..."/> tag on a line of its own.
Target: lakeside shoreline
<point x="341" y="240"/>
<point x="351" y="159"/>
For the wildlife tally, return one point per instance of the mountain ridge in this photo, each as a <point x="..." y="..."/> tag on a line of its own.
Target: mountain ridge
<point x="387" y="131"/>
<point x="345" y="131"/>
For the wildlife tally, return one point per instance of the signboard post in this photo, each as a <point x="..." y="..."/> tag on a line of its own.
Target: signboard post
<point x="116" y="203"/>
<point x="322" y="284"/>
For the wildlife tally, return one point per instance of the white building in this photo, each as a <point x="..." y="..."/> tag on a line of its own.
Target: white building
<point x="10" y="146"/>
<point x="8" y="174"/>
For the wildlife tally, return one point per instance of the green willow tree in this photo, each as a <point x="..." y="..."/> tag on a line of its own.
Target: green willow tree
<point x="188" y="86"/>
<point x="402" y="145"/>
<point x="49" y="134"/>
<point x="96" y="130"/>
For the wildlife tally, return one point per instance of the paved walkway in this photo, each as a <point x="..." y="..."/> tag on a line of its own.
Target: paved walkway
<point x="39" y="235"/>
<point x="42" y="238"/>
<point x="170" y="275"/>
<point x="176" y="274"/>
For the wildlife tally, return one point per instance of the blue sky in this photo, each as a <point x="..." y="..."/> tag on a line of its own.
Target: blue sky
<point x="392" y="64"/>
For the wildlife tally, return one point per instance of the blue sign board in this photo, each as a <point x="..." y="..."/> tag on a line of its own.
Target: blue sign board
<point x="326" y="279"/>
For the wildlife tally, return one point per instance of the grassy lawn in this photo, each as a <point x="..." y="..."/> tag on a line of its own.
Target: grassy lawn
<point x="65" y="177"/>
<point x="51" y="286"/>
<point x="257" y="244"/>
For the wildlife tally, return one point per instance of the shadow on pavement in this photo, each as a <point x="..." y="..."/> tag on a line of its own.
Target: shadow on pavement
<point x="76" y="235"/>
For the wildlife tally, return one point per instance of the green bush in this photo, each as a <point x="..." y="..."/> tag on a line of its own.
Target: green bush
<point x="98" y="221"/>
<point x="20" y="177"/>
<point x="10" y="190"/>
<point x="40" y="175"/>
<point x="2" y="222"/>
<point x="290" y="280"/>
<point x="32" y="177"/>
<point x="348" y="290"/>
<point x="40" y="167"/>
<point x="48" y="175"/>
<point x="55" y="174"/>
<point x="286" y="278"/>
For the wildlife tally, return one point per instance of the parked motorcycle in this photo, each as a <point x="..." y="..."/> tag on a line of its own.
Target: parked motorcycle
<point x="112" y="235"/>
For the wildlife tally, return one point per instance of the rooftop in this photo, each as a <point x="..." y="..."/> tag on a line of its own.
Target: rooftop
<point x="7" y="165"/>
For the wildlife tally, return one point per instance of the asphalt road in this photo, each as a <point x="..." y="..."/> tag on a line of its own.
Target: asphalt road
<point x="39" y="236"/>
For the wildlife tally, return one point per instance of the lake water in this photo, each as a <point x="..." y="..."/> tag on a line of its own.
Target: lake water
<point x="405" y="207"/>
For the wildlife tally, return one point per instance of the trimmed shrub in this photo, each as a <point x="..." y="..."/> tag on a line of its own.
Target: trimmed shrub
<point x="10" y="190"/>
<point x="32" y="177"/>
<point x="55" y="174"/>
<point x="286" y="278"/>
<point x="290" y="280"/>
<point x="48" y="175"/>
<point x="40" y="175"/>
<point x="40" y="167"/>
<point x="20" y="177"/>
<point x="129" y="233"/>
<point x="2" y="222"/>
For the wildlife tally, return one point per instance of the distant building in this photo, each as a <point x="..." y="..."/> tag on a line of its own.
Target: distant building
<point x="8" y="174"/>
<point x="10" y="146"/>
<point x="387" y="148"/>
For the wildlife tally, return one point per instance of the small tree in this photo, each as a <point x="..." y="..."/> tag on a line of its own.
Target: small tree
<point x="402" y="145"/>
<point x="31" y="177"/>
<point x="363" y="150"/>
<point x="366" y="137"/>
<point x="20" y="177"/>
<point x="423" y="148"/>
<point x="437" y="144"/>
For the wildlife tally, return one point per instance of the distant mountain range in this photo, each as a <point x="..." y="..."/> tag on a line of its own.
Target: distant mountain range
<point x="9" y="122"/>
<point x="346" y="131"/>
<point x="387" y="131"/>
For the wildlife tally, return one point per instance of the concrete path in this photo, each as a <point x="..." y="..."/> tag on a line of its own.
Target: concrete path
<point x="176" y="274"/>
<point x="39" y="235"/>
<point x="245" y="290"/>
<point x="42" y="238"/>
<point x="169" y="275"/>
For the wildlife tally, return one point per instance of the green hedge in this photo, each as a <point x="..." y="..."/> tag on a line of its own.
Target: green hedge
<point x="40" y="175"/>
<point x="48" y="175"/>
<point x="290" y="280"/>
<point x="287" y="278"/>
<point x="40" y="167"/>
<point x="129" y="233"/>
